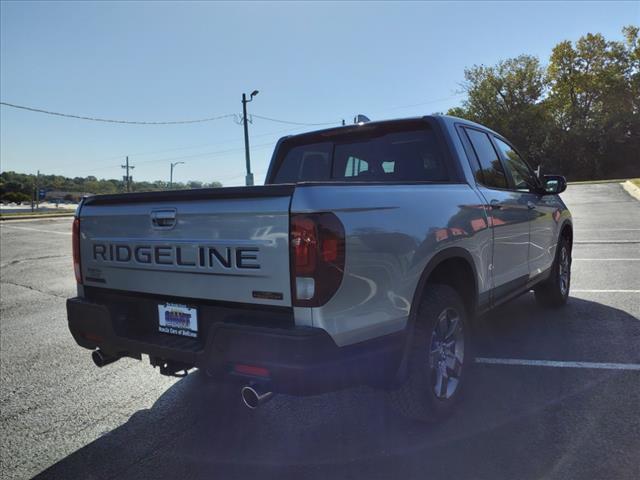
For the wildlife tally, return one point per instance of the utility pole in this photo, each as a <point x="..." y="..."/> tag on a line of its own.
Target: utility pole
<point x="127" y="177"/>
<point x="249" y="178"/>
<point x="38" y="190"/>
<point x="171" y="174"/>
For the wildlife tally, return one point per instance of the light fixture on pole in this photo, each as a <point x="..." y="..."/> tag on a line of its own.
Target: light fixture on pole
<point x="249" y="178"/>
<point x="171" y="174"/>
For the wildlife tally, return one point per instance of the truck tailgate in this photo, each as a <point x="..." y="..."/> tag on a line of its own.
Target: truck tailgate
<point x="228" y="244"/>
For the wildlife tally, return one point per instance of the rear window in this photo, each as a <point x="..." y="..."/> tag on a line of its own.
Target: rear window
<point x="408" y="155"/>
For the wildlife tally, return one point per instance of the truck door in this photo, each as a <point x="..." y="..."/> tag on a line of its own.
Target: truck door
<point x="508" y="215"/>
<point x="542" y="222"/>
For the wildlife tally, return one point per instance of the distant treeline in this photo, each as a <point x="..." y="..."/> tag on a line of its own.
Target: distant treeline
<point x="578" y="115"/>
<point x="20" y="186"/>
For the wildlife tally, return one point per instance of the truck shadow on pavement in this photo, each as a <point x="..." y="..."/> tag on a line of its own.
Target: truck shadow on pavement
<point x="199" y="430"/>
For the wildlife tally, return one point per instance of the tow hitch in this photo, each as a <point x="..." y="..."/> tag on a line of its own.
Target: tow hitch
<point x="170" y="368"/>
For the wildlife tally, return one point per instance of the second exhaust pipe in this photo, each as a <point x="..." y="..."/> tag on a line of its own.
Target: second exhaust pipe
<point x="253" y="396"/>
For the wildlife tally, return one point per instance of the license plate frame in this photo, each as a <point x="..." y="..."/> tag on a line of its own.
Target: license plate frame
<point x="178" y="319"/>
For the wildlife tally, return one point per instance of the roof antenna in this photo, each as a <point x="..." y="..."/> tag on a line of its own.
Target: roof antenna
<point x="360" y="119"/>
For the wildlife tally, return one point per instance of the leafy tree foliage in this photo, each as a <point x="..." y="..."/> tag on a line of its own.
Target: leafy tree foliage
<point x="579" y="115"/>
<point x="16" y="197"/>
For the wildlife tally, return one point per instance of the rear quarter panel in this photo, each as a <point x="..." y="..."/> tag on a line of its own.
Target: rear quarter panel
<point x="392" y="232"/>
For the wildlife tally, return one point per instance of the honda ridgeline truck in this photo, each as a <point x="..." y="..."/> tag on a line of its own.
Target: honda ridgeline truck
<point x="364" y="258"/>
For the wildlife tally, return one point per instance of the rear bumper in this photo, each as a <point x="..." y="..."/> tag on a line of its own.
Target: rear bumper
<point x="300" y="360"/>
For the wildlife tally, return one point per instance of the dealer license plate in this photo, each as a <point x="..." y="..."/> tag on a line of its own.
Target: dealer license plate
<point x="178" y="319"/>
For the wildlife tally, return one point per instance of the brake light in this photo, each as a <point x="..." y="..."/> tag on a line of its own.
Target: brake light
<point x="75" y="245"/>
<point x="304" y="242"/>
<point x="317" y="257"/>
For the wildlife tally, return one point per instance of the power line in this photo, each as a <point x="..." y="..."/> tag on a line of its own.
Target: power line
<point x="271" y="119"/>
<point x="155" y="152"/>
<point x="428" y="102"/>
<point x="173" y="122"/>
<point x="107" y="120"/>
<point x="202" y="154"/>
<point x="337" y="122"/>
<point x="206" y="119"/>
<point x="212" y="156"/>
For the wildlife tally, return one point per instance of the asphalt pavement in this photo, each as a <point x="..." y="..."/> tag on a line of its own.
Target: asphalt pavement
<point x="555" y="393"/>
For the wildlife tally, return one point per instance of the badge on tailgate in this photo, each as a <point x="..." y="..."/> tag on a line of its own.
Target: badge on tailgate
<point x="178" y="319"/>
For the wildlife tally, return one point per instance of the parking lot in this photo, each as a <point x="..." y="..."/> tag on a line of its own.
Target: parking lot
<point x="554" y="393"/>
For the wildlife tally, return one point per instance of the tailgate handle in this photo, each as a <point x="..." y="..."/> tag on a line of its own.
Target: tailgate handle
<point x="163" y="219"/>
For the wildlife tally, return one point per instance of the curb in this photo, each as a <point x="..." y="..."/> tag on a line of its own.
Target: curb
<point x="43" y="216"/>
<point x="631" y="189"/>
<point x="588" y="182"/>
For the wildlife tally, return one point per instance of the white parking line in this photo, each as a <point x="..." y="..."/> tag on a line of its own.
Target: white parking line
<point x="33" y="229"/>
<point x="605" y="241"/>
<point x="608" y="259"/>
<point x="608" y="229"/>
<point x="604" y="291"/>
<point x="557" y="364"/>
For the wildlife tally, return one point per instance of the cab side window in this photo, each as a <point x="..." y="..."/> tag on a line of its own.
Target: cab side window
<point x="491" y="174"/>
<point x="523" y="178"/>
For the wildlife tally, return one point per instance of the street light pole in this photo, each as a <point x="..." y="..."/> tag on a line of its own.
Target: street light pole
<point x="249" y="178"/>
<point x="171" y="174"/>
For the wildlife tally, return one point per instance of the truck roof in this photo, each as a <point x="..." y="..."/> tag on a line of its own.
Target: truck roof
<point x="448" y="119"/>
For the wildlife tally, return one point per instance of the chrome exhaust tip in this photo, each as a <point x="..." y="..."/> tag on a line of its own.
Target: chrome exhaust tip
<point x="253" y="396"/>
<point x="101" y="359"/>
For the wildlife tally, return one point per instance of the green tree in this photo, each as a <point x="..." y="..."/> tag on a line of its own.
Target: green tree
<point x="508" y="98"/>
<point x="593" y="99"/>
<point x="15" y="197"/>
<point x="579" y="116"/>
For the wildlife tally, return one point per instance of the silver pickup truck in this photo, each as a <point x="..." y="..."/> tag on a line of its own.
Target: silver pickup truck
<point x="365" y="258"/>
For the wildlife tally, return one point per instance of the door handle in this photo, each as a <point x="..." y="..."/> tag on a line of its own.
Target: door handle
<point x="531" y="205"/>
<point x="163" y="219"/>
<point x="495" y="204"/>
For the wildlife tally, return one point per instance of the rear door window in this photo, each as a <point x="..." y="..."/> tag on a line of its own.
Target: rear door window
<point x="411" y="155"/>
<point x="491" y="173"/>
<point x="309" y="162"/>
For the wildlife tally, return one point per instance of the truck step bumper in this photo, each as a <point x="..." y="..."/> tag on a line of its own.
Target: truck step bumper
<point x="294" y="360"/>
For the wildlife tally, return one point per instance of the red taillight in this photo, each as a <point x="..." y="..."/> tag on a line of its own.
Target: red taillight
<point x="75" y="243"/>
<point x="317" y="257"/>
<point x="304" y="241"/>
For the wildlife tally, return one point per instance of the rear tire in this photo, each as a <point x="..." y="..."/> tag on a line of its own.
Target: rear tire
<point x="439" y="358"/>
<point x="554" y="291"/>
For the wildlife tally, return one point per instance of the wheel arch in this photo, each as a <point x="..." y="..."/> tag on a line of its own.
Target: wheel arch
<point x="453" y="266"/>
<point x="566" y="230"/>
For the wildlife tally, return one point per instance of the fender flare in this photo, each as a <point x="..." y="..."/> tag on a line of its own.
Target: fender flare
<point x="435" y="261"/>
<point x="566" y="223"/>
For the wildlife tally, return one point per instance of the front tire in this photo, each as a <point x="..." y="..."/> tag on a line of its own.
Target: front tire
<point x="439" y="358"/>
<point x="554" y="291"/>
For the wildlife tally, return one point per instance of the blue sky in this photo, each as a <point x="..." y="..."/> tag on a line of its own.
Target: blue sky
<point x="312" y="62"/>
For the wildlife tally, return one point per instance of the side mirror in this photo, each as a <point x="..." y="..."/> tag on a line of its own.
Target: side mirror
<point x="554" y="184"/>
